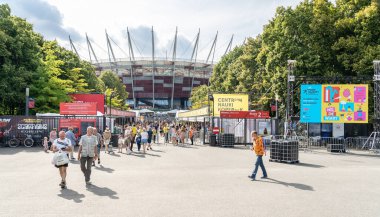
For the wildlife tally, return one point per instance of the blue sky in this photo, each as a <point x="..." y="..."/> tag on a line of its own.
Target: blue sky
<point x="56" y="19"/>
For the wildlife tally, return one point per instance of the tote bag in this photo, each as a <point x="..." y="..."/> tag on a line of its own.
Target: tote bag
<point x="60" y="158"/>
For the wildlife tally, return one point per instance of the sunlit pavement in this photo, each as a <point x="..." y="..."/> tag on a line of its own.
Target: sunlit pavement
<point x="191" y="181"/>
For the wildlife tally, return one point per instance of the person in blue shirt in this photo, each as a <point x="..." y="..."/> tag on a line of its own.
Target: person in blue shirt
<point x="71" y="136"/>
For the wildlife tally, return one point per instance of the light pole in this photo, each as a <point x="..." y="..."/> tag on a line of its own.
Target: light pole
<point x="27" y="101"/>
<point x="276" y="106"/>
<point x="112" y="95"/>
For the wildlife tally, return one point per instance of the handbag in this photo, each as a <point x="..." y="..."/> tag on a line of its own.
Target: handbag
<point x="60" y="158"/>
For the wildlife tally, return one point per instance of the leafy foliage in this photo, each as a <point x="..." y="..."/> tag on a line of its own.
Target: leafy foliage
<point x="326" y="39"/>
<point x="49" y="70"/>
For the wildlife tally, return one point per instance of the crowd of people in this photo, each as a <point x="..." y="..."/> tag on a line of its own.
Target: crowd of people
<point x="143" y="135"/>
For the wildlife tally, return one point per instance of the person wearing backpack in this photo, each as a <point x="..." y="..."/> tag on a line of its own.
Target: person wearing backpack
<point x="62" y="144"/>
<point x="259" y="149"/>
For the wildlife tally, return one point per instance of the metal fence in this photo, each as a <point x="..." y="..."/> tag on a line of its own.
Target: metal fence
<point x="344" y="144"/>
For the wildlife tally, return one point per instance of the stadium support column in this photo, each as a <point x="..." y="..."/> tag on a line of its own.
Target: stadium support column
<point x="228" y="49"/>
<point x="110" y="52"/>
<point x="289" y="98"/>
<point x="131" y="59"/>
<point x="73" y="49"/>
<point x="212" y="50"/>
<point x="174" y="59"/>
<point x="194" y="56"/>
<point x="153" y="75"/>
<point x="91" y="50"/>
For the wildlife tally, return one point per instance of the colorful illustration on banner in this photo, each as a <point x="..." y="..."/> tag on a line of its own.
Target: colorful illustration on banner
<point x="360" y="94"/>
<point x="331" y="94"/>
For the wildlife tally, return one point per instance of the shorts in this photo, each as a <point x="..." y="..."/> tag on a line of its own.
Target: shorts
<point x="106" y="141"/>
<point x="64" y="165"/>
<point x="144" y="141"/>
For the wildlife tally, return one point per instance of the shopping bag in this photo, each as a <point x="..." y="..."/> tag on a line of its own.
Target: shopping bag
<point x="60" y="158"/>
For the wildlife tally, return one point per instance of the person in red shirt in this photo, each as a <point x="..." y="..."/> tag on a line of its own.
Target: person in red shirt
<point x="258" y="147"/>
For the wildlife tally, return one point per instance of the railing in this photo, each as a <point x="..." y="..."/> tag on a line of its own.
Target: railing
<point x="313" y="143"/>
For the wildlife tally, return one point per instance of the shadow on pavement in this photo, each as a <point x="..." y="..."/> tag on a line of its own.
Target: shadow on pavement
<point x="69" y="194"/>
<point x="308" y="165"/>
<point x="12" y="151"/>
<point x="103" y="192"/>
<point x="288" y="184"/>
<point x="136" y="154"/>
<point x="104" y="169"/>
<point x="114" y="155"/>
<point x="157" y="151"/>
<point x="186" y="146"/>
<point x="154" y="155"/>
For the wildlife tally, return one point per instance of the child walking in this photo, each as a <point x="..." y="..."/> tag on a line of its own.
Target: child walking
<point x="46" y="145"/>
<point x="120" y="143"/>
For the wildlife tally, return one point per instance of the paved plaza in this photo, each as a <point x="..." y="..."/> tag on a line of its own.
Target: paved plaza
<point x="191" y="181"/>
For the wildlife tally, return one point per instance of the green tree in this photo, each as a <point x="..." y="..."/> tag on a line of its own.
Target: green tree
<point x="19" y="60"/>
<point x="199" y="97"/>
<point x="112" y="82"/>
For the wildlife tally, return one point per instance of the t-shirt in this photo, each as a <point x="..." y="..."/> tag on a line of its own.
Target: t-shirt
<point x="62" y="143"/>
<point x="134" y="130"/>
<point x="144" y="135"/>
<point x="70" y="135"/>
<point x="127" y="133"/>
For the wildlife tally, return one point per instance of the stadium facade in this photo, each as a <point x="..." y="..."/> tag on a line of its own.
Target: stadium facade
<point x="155" y="82"/>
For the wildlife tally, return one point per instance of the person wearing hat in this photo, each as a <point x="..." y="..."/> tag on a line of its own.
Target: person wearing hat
<point x="258" y="147"/>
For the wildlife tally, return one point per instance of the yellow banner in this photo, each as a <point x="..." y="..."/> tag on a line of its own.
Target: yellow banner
<point x="344" y="103"/>
<point x="230" y="102"/>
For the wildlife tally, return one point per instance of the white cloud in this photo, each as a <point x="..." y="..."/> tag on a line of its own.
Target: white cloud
<point x="243" y="18"/>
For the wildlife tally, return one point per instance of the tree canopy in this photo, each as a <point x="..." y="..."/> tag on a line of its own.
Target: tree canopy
<point x="49" y="70"/>
<point x="326" y="39"/>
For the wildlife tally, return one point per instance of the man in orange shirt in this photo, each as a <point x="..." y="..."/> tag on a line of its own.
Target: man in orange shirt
<point x="258" y="147"/>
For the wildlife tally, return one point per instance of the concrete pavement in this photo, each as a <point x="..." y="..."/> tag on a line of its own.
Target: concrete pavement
<point x="191" y="181"/>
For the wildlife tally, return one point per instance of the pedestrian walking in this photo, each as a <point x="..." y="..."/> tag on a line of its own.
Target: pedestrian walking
<point x="150" y="136"/>
<point x="46" y="145"/>
<point x="71" y="136"/>
<point x="52" y="137"/>
<point x="128" y="139"/>
<point x="191" y="135"/>
<point x="99" y="145"/>
<point x="134" y="134"/>
<point x="259" y="149"/>
<point x="144" y="139"/>
<point x="106" y="138"/>
<point x="86" y="153"/>
<point x="120" y="143"/>
<point x="62" y="145"/>
<point x="154" y="133"/>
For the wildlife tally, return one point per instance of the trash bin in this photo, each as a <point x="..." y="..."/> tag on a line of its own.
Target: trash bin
<point x="114" y="140"/>
<point x="227" y="140"/>
<point x="212" y="139"/>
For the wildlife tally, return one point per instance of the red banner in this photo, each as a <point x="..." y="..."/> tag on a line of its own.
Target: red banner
<point x="258" y="115"/>
<point x="77" y="108"/>
<point x="245" y="114"/>
<point x="31" y="103"/>
<point x="90" y="98"/>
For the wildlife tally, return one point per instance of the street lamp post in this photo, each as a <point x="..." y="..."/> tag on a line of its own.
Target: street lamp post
<point x="112" y="95"/>
<point x="27" y="101"/>
<point x="276" y="106"/>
